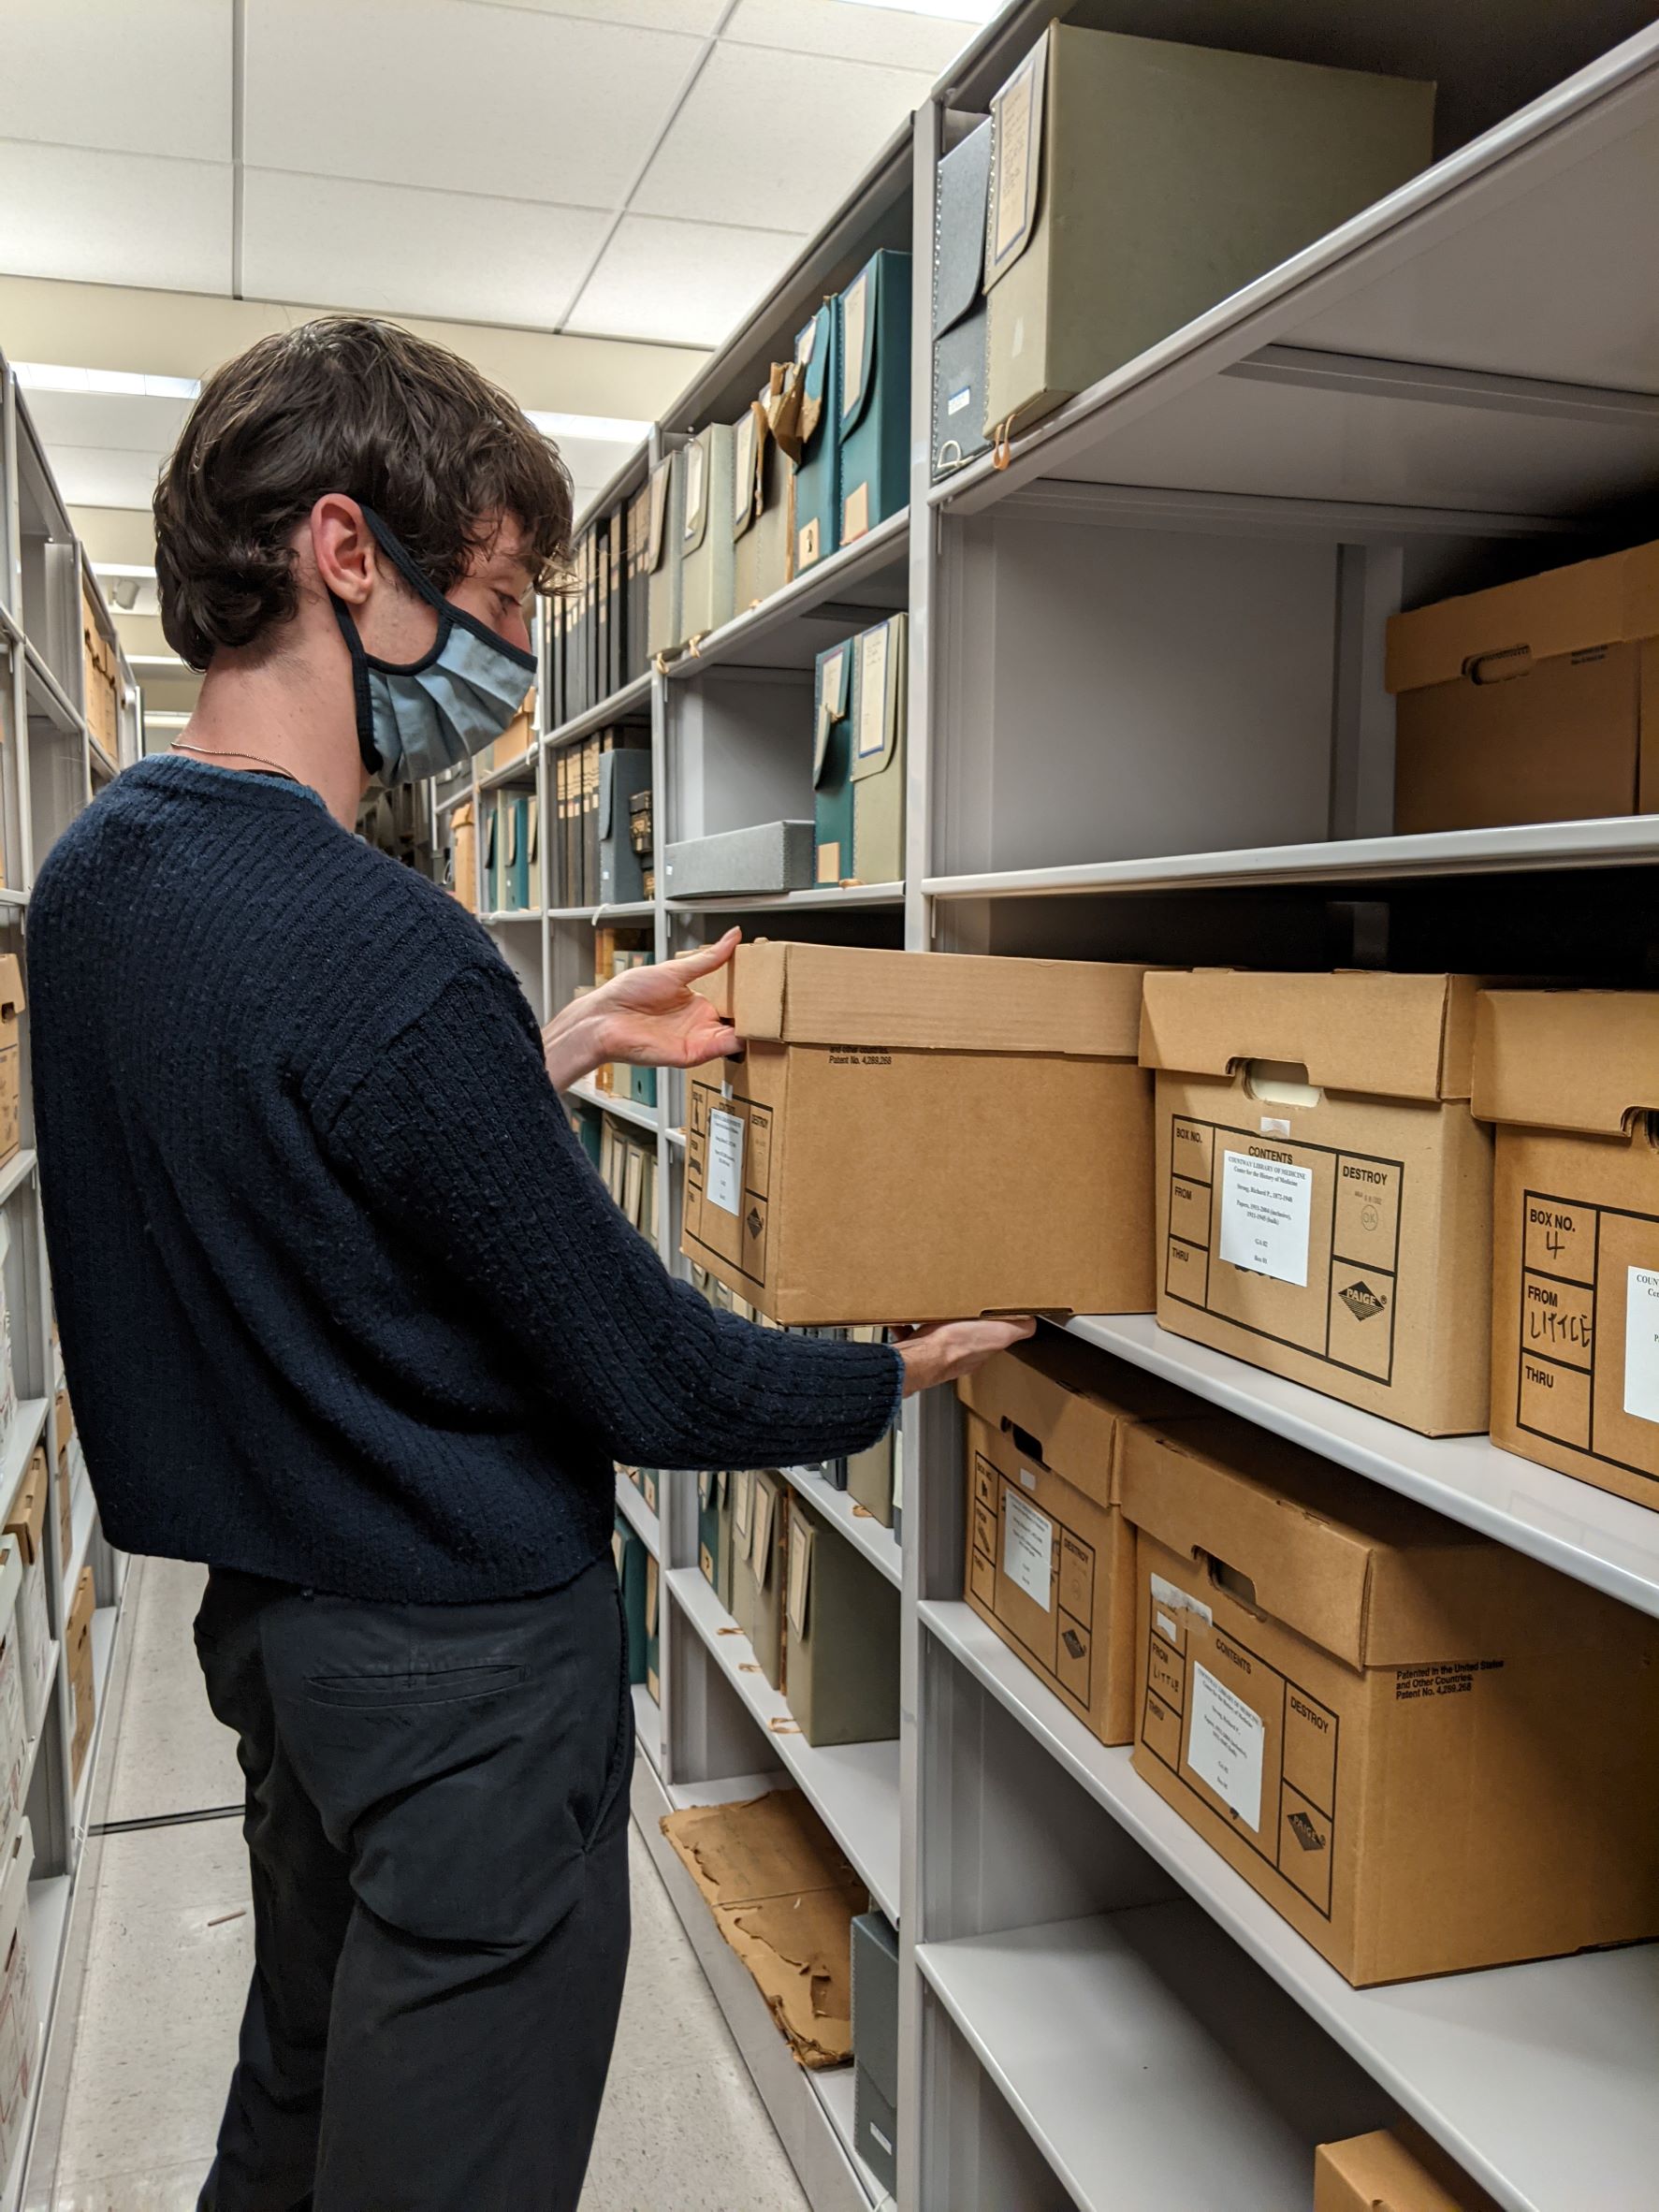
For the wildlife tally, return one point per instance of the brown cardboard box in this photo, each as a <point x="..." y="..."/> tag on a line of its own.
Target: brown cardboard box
<point x="463" y="870"/>
<point x="912" y="1136"/>
<point x="1572" y="1079"/>
<point x="64" y="1430"/>
<point x="11" y="1007"/>
<point x="1426" y="1751"/>
<point x="26" y="1519"/>
<point x="1324" y="1194"/>
<point x="78" y="1637"/>
<point x="1050" y="1560"/>
<point x="1400" y="2171"/>
<point x="518" y="737"/>
<point x="102" y="678"/>
<point x="1537" y="701"/>
<point x="783" y="1896"/>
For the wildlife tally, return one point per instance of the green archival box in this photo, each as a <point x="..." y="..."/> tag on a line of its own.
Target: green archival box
<point x="666" y="528"/>
<point x="1136" y="182"/>
<point x="832" y="762"/>
<point x="873" y="409"/>
<point x="878" y="764"/>
<point x="706" y="546"/>
<point x="841" y="1615"/>
<point x="714" y="1533"/>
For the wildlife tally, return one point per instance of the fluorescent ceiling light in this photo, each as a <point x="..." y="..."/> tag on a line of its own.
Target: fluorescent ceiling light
<point x="156" y="660"/>
<point x="124" y="568"/>
<point x="605" y="429"/>
<point x="959" y="11"/>
<point x="53" y="376"/>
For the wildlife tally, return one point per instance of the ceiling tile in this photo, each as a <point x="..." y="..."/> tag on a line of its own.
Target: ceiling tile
<point x="857" y="33"/>
<point x="508" y="102"/>
<point x="774" y="138"/>
<point x="122" y="76"/>
<point x="114" y="219"/>
<point x="593" y="462"/>
<point x="389" y="249"/>
<point x="127" y="422"/>
<point x="99" y="476"/>
<point x="699" y="17"/>
<point x="683" y="284"/>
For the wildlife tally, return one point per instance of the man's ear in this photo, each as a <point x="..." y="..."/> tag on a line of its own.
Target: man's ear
<point x="343" y="547"/>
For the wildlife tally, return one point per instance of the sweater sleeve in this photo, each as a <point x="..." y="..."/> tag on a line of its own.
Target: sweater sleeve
<point x="456" y="1137"/>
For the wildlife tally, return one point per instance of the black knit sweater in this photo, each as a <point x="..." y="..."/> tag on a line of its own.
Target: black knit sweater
<point x="341" y="1300"/>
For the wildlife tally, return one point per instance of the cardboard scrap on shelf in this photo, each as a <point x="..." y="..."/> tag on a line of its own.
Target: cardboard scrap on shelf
<point x="784" y="1897"/>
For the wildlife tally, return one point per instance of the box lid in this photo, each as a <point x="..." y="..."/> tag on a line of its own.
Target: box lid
<point x="814" y="346"/>
<point x="1372" y="1578"/>
<point x="796" y="994"/>
<point x="1489" y="635"/>
<point x="1063" y="1406"/>
<point x="1585" y="1060"/>
<point x="1387" y="1036"/>
<point x="861" y="312"/>
<point x="1017" y="114"/>
<point x="959" y="228"/>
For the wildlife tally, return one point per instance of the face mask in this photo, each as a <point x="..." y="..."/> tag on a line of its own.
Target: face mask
<point x="432" y="714"/>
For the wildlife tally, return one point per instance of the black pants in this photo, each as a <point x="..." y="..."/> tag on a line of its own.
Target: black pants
<point x="437" y="1804"/>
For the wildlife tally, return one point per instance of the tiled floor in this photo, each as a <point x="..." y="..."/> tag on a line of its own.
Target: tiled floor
<point x="167" y="1962"/>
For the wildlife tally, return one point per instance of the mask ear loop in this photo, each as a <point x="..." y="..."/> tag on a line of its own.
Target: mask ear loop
<point x="363" y="705"/>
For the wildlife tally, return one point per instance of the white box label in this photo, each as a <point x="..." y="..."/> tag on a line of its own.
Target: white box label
<point x="1641" y="1345"/>
<point x="958" y="401"/>
<point x="1028" y="1547"/>
<point x="1267" y="1211"/>
<point x="1224" y="1747"/>
<point x="725" y="1160"/>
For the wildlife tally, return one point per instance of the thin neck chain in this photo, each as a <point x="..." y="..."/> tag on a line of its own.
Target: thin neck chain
<point x="229" y="753"/>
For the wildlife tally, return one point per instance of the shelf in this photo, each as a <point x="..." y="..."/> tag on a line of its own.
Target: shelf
<point x="522" y="770"/>
<point x="1487" y="2062"/>
<point x="15" y="1173"/>
<point x="648" y="1725"/>
<point x="83" y="1513"/>
<point x="1150" y="2062"/>
<point x="22" y="1438"/>
<point x="827" y="894"/>
<point x="1401" y="360"/>
<point x="854" y="1522"/>
<point x="19" y="899"/>
<point x="629" y="700"/>
<point x="104" y="1622"/>
<point x="633" y="910"/>
<point x="454" y="798"/>
<point x="835" y="2089"/>
<point x="819" y="602"/>
<point x="642" y="1117"/>
<point x="853" y="1787"/>
<point x="47" y="696"/>
<point x="631" y="1505"/>
<point x="49" y="1917"/>
<point x="1583" y="1532"/>
<point x="1621" y="842"/>
<point x="511" y="914"/>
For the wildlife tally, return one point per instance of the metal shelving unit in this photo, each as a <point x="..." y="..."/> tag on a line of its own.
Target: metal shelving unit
<point x="50" y="766"/>
<point x="1146" y="720"/>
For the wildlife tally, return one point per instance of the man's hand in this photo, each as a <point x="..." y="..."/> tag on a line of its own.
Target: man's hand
<point x="649" y="1017"/>
<point x="950" y="1348"/>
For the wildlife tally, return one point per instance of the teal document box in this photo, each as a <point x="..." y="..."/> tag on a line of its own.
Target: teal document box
<point x="519" y="854"/>
<point x="666" y="528"/>
<point x="877" y="766"/>
<point x="623" y="775"/>
<point x="814" y="492"/>
<point x="873" y="411"/>
<point x="832" y="762"/>
<point x="706" y="546"/>
<point x="630" y="1555"/>
<point x="495" y="851"/>
<point x="642" y="1086"/>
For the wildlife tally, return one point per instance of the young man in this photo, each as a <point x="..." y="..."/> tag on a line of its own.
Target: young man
<point x="346" y="1315"/>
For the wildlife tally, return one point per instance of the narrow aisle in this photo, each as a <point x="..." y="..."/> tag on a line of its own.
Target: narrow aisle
<point x="169" y="1948"/>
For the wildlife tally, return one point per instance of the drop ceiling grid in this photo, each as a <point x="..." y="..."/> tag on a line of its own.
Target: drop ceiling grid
<point x="628" y="169"/>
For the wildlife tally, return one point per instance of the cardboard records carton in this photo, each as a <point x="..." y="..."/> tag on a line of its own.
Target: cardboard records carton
<point x="1051" y="1559"/>
<point x="784" y="1895"/>
<point x="1324" y="1193"/>
<point x="841" y="1636"/>
<point x="1537" y="701"/>
<point x="912" y="1136"/>
<point x="11" y="1007"/>
<point x="1426" y="1751"/>
<point x="1136" y="182"/>
<point x="1572" y="1080"/>
<point x="1392" y="2172"/>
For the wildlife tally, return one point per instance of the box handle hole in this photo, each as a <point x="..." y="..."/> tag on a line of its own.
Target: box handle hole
<point x="1024" y="1441"/>
<point x="1281" y="1083"/>
<point x="1227" y="1577"/>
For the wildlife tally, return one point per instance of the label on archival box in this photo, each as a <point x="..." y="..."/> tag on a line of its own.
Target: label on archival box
<point x="1641" y="1345"/>
<point x="1572" y="1386"/>
<point x="1027" y="1549"/>
<point x="1267" y="1214"/>
<point x="725" y="1160"/>
<point x="1224" y="1745"/>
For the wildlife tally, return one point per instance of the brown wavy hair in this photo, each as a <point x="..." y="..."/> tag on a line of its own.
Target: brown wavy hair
<point x="345" y="404"/>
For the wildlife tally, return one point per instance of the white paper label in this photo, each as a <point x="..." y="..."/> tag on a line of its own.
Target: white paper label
<point x="694" y="488"/>
<point x="800" y="1563"/>
<point x="725" y="1160"/>
<point x="1166" y="1627"/>
<point x="1273" y="1127"/>
<point x="1027" y="1549"/>
<point x="1175" y="1600"/>
<point x="1267" y="1210"/>
<point x="872" y="691"/>
<point x="1641" y="1345"/>
<point x="1224" y="1748"/>
<point x="854" y="313"/>
<point x="958" y="401"/>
